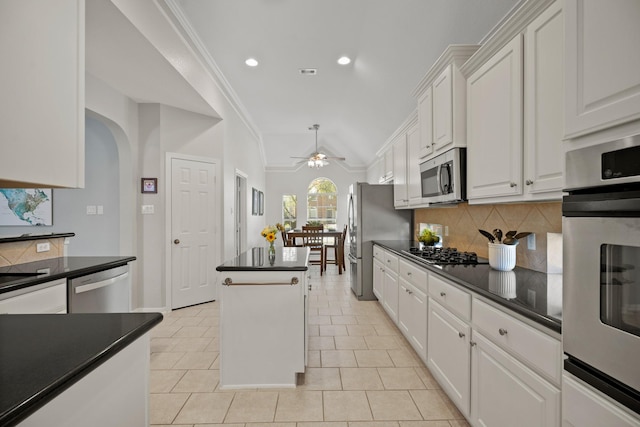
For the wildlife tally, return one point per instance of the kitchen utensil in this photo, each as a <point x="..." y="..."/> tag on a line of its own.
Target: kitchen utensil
<point x="498" y="233"/>
<point x="487" y="235"/>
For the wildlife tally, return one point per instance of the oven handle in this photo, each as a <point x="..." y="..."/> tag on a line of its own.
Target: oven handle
<point x="101" y="284"/>
<point x="620" y="205"/>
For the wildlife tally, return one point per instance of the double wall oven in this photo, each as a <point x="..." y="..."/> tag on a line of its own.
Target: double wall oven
<point x="601" y="233"/>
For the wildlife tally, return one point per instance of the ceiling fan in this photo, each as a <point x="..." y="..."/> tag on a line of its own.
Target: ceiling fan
<point x="317" y="159"/>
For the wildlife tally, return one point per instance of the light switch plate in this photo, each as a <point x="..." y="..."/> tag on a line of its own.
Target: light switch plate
<point x="148" y="209"/>
<point x="100" y="209"/>
<point x="91" y="209"/>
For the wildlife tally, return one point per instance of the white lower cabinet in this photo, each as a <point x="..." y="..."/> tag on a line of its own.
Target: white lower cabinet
<point x="390" y="294"/>
<point x="504" y="392"/>
<point x="49" y="297"/>
<point x="378" y="279"/>
<point x="583" y="406"/>
<point x="449" y="358"/>
<point x="412" y="316"/>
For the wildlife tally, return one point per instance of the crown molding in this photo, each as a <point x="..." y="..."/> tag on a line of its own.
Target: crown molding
<point x="513" y="24"/>
<point x="455" y="54"/>
<point x="183" y="26"/>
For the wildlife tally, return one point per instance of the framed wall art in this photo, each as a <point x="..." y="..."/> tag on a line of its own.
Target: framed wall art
<point x="149" y="185"/>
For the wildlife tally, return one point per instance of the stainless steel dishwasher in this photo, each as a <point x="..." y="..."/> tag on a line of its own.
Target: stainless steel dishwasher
<point x="107" y="291"/>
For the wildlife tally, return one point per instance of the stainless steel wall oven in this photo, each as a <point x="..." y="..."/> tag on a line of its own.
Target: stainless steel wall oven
<point x="601" y="283"/>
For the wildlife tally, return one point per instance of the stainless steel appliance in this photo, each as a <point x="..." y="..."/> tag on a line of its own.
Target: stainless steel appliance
<point x="443" y="178"/>
<point x="601" y="283"/>
<point x="107" y="291"/>
<point x="372" y="216"/>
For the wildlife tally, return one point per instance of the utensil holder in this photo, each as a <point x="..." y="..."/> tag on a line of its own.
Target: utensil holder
<point x="502" y="257"/>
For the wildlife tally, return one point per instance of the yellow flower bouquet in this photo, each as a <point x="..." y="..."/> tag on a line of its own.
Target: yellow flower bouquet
<point x="270" y="233"/>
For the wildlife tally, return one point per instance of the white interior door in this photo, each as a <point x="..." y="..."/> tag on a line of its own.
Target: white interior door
<point x="193" y="216"/>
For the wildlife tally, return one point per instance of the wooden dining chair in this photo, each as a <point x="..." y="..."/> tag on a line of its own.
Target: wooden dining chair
<point x="338" y="252"/>
<point x="288" y="241"/>
<point x="313" y="239"/>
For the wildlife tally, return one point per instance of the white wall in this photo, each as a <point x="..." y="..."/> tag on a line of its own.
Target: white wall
<point x="297" y="182"/>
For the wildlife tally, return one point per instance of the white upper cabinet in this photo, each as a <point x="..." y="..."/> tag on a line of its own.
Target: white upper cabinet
<point x="414" y="187"/>
<point x="602" y="79"/>
<point x="401" y="199"/>
<point x="543" y="79"/>
<point x="514" y="110"/>
<point x="494" y="102"/>
<point x="441" y="96"/>
<point x="442" y="111"/>
<point x="42" y="102"/>
<point x="425" y="119"/>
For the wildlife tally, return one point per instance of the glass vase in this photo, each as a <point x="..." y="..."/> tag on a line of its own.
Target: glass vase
<point x="272" y="253"/>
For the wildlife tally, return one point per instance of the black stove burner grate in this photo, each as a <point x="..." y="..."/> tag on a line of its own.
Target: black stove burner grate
<point x="444" y="256"/>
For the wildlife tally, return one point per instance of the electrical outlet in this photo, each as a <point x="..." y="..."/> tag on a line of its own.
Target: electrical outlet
<point x="446" y="230"/>
<point x="100" y="209"/>
<point x="91" y="210"/>
<point x="43" y="247"/>
<point x="531" y="242"/>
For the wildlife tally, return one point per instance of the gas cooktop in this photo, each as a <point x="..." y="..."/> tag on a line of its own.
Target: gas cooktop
<point x="444" y="256"/>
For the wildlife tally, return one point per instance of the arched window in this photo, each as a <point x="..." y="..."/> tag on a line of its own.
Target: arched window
<point x="322" y="203"/>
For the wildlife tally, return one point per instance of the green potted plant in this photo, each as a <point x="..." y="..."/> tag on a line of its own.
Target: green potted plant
<point x="427" y="237"/>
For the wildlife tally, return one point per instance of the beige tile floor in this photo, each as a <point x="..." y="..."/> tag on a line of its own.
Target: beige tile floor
<point x="361" y="373"/>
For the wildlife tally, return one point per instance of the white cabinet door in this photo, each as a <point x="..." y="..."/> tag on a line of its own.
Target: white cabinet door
<point x="412" y="316"/>
<point x="425" y="120"/>
<point x="443" y="109"/>
<point x="494" y="125"/>
<point x="390" y="294"/>
<point x="49" y="297"/>
<point x="401" y="199"/>
<point x="583" y="406"/>
<point x="42" y="87"/>
<point x="543" y="65"/>
<point x="449" y="356"/>
<point x="602" y="81"/>
<point x="414" y="185"/>
<point x="387" y="166"/>
<point x="506" y="393"/>
<point x="378" y="279"/>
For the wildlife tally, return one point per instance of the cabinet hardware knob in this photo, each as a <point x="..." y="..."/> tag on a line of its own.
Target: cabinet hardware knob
<point x="513" y="184"/>
<point x="408" y="273"/>
<point x="528" y="182"/>
<point x="442" y="294"/>
<point x="502" y="331"/>
<point x="472" y="344"/>
<point x="389" y="260"/>
<point x="176" y="242"/>
<point x="460" y="334"/>
<point x="410" y="292"/>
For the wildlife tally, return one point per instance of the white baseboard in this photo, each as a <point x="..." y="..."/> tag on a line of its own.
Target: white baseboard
<point x="163" y="310"/>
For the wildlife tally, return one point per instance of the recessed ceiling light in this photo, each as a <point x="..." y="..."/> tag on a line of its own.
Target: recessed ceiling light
<point x="344" y="60"/>
<point x="251" y="62"/>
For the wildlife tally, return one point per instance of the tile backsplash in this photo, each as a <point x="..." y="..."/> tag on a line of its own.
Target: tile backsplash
<point x="12" y="253"/>
<point x="464" y="220"/>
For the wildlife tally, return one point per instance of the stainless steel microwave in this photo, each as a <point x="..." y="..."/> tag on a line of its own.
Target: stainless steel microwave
<point x="443" y="178"/>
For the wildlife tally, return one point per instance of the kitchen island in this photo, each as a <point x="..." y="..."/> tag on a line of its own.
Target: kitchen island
<point x="263" y="318"/>
<point x="75" y="369"/>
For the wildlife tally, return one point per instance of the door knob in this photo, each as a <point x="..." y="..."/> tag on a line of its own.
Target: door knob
<point x="176" y="242"/>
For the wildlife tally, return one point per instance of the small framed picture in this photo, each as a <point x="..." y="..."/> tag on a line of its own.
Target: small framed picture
<point x="149" y="185"/>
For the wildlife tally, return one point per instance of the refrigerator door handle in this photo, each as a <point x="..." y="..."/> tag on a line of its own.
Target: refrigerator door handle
<point x="352" y="259"/>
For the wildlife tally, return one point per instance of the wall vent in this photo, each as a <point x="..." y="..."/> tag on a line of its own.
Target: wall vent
<point x="308" y="71"/>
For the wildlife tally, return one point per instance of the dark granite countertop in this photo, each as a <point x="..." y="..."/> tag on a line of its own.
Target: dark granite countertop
<point x="33" y="236"/>
<point x="530" y="297"/>
<point x="42" y="355"/>
<point x="56" y="268"/>
<point x="257" y="259"/>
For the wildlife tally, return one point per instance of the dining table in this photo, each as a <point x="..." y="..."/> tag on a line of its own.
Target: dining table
<point x="293" y="235"/>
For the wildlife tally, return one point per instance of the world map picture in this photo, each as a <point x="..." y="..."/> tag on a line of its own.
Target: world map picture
<point x="25" y="206"/>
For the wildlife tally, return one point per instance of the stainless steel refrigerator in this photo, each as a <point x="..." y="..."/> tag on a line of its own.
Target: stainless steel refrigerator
<point x="372" y="216"/>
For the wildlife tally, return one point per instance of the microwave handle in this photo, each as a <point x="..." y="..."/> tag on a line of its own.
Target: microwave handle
<point x="444" y="168"/>
<point x="439" y="178"/>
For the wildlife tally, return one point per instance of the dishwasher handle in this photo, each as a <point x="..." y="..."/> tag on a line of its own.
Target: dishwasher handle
<point x="101" y="284"/>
